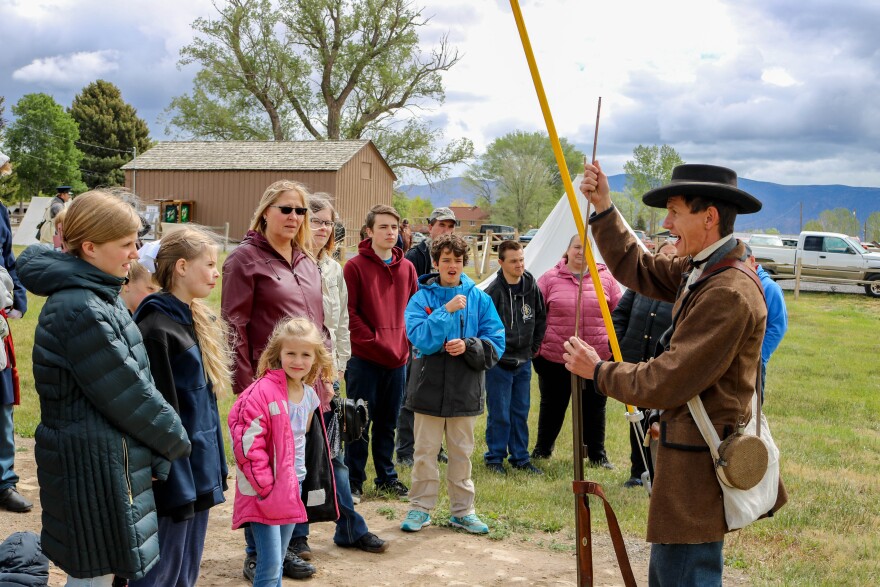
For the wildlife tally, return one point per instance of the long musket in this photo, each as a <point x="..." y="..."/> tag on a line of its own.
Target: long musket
<point x="580" y="487"/>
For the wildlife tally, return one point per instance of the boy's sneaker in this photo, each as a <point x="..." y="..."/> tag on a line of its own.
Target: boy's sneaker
<point x="497" y="468"/>
<point x="356" y="495"/>
<point x="471" y="522"/>
<point x="529" y="468"/>
<point x="250" y="567"/>
<point x="299" y="545"/>
<point x="296" y="568"/>
<point x="395" y="488"/>
<point x="415" y="521"/>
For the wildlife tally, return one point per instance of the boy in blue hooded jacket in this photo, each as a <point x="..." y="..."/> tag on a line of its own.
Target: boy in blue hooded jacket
<point x="456" y="336"/>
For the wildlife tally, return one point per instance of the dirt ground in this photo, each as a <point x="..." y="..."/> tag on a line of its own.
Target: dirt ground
<point x="435" y="556"/>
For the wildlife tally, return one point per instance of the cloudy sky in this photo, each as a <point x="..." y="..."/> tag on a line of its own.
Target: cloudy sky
<point x="780" y="90"/>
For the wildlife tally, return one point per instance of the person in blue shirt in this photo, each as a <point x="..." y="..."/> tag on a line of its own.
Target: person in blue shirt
<point x="456" y="336"/>
<point x="777" y="315"/>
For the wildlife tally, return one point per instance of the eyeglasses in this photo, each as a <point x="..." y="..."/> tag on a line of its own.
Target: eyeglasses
<point x="318" y="223"/>
<point x="286" y="210"/>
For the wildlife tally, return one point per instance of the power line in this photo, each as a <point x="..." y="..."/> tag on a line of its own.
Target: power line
<point x="129" y="151"/>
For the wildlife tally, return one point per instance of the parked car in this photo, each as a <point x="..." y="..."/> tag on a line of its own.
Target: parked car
<point x="527" y="237"/>
<point x="640" y="234"/>
<point x="417" y="238"/>
<point x="823" y="255"/>
<point x="765" y="240"/>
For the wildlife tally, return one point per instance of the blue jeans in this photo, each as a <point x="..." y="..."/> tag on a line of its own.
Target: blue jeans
<point x="382" y="389"/>
<point x="181" y="545"/>
<point x="686" y="565"/>
<point x="508" y="394"/>
<point x="271" y="543"/>
<point x="350" y="526"/>
<point x="8" y="478"/>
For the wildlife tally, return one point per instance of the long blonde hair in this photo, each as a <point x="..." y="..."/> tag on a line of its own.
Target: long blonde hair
<point x="212" y="331"/>
<point x="297" y="329"/>
<point x="98" y="217"/>
<point x="303" y="238"/>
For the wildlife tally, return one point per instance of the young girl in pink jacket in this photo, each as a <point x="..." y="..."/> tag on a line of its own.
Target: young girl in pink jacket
<point x="268" y="425"/>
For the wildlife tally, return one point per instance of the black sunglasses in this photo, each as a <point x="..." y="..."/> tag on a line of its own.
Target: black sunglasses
<point x="288" y="209"/>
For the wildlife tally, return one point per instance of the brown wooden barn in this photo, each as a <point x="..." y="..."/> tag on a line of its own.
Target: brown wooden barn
<point x="225" y="179"/>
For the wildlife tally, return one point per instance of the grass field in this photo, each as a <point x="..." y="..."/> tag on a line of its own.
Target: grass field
<point x="823" y="393"/>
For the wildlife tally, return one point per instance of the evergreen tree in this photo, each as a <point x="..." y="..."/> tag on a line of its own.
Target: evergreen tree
<point x="109" y="131"/>
<point x="42" y="143"/>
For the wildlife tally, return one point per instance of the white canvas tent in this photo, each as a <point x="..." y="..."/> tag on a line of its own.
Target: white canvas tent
<point x="551" y="241"/>
<point x="26" y="233"/>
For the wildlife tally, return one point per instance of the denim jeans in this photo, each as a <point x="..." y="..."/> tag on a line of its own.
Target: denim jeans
<point x="382" y="389"/>
<point x="271" y="543"/>
<point x="181" y="545"/>
<point x="102" y="581"/>
<point x="507" y="426"/>
<point x="350" y="526"/>
<point x="686" y="565"/>
<point x="8" y="478"/>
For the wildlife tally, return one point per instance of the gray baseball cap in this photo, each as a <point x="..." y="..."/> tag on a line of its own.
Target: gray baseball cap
<point x="442" y="214"/>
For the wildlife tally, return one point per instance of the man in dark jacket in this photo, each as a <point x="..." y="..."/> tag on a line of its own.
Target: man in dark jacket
<point x="380" y="282"/>
<point x="441" y="221"/>
<point x="639" y="322"/>
<point x="10" y="498"/>
<point x="520" y="304"/>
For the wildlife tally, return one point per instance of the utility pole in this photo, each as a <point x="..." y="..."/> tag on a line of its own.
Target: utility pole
<point x="134" y="172"/>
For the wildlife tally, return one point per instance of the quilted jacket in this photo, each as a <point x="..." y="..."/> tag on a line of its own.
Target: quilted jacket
<point x="560" y="288"/>
<point x="105" y="429"/>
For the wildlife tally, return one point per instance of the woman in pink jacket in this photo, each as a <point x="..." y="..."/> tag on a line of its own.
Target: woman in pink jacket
<point x="559" y="285"/>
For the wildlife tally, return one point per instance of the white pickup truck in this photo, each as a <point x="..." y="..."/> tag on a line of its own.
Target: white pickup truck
<point x="824" y="255"/>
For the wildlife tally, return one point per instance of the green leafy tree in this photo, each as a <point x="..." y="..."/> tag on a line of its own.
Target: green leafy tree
<point x="42" y="142"/>
<point x="9" y="185"/>
<point x="325" y="69"/>
<point x="872" y="227"/>
<point x="650" y="167"/>
<point x="419" y="209"/>
<point x="517" y="179"/>
<point x="400" y="202"/>
<point x="837" y="220"/>
<point x="110" y="130"/>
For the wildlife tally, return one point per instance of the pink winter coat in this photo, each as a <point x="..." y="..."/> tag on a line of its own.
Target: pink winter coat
<point x="266" y="487"/>
<point x="559" y="287"/>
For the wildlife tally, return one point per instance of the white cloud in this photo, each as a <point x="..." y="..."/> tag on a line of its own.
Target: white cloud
<point x="69" y="71"/>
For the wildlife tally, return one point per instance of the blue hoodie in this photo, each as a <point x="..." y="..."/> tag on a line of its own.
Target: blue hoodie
<point x="439" y="384"/>
<point x="195" y="483"/>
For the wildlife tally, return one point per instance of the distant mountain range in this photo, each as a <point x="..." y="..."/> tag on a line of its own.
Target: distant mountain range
<point x="782" y="203"/>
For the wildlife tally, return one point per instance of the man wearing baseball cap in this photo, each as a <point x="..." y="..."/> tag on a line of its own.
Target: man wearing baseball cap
<point x="712" y="351"/>
<point x="47" y="226"/>
<point x="441" y="221"/>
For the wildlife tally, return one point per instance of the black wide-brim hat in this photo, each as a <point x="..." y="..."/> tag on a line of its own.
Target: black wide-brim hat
<point x="708" y="181"/>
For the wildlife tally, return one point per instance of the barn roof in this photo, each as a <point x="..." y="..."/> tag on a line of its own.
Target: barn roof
<point x="248" y="155"/>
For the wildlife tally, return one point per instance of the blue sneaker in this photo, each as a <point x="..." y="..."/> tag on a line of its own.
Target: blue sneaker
<point x="471" y="523"/>
<point x="415" y="521"/>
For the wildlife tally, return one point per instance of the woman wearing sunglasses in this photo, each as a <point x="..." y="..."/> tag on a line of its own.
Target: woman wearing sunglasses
<point x="271" y="276"/>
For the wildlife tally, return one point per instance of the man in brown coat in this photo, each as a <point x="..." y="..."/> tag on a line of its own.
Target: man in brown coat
<point x="714" y="351"/>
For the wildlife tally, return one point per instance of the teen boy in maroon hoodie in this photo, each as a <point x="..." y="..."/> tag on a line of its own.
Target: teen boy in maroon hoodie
<point x="380" y="282"/>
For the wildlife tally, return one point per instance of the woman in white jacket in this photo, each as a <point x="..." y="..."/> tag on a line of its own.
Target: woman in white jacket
<point x="351" y="528"/>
